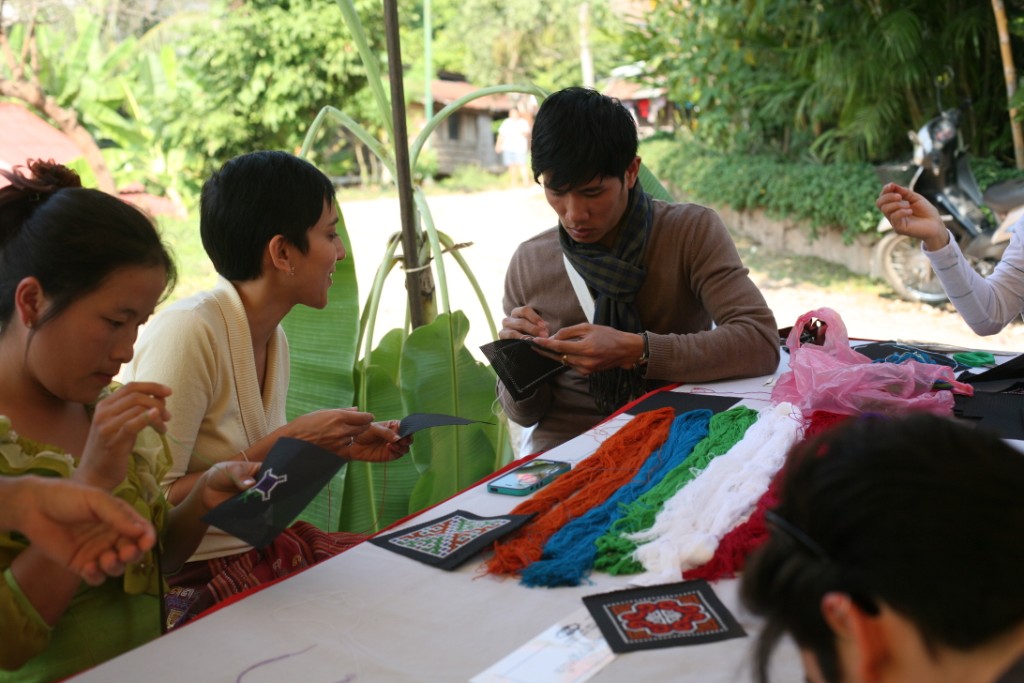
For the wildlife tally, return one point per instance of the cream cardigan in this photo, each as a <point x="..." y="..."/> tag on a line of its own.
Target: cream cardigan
<point x="201" y="348"/>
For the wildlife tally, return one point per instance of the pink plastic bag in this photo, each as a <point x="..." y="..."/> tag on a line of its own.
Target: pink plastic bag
<point x="832" y="376"/>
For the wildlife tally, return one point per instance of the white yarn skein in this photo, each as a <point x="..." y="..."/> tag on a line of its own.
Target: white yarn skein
<point x="691" y="524"/>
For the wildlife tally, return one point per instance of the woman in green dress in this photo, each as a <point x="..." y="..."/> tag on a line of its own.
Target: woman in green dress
<point x="80" y="271"/>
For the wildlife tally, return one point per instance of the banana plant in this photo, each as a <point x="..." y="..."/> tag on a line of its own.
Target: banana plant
<point x="427" y="369"/>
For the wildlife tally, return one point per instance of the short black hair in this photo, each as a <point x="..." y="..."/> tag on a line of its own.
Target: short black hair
<point x="579" y="135"/>
<point x="900" y="511"/>
<point x="68" y="237"/>
<point x="254" y="197"/>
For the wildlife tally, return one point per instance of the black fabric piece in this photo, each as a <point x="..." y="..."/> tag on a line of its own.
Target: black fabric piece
<point x="999" y="378"/>
<point x="293" y="473"/>
<point x="685" y="613"/>
<point x="683" y="402"/>
<point x="447" y="542"/>
<point x="414" y="422"/>
<point x="519" y="367"/>
<point x="1002" y="413"/>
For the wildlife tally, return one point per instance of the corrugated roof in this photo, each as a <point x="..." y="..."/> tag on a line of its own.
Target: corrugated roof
<point x="629" y="90"/>
<point x="446" y="92"/>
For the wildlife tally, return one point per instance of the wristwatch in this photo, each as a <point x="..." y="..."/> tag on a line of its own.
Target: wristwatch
<point x="641" y="362"/>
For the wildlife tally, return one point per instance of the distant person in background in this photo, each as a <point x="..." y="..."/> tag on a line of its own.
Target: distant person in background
<point x="513" y="144"/>
<point x="895" y="555"/>
<point x="987" y="305"/>
<point x="629" y="292"/>
<point x="81" y="527"/>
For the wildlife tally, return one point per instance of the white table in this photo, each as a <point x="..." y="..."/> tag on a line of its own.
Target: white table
<point x="373" y="615"/>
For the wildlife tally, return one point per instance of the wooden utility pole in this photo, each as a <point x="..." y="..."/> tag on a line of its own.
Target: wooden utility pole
<point x="418" y="281"/>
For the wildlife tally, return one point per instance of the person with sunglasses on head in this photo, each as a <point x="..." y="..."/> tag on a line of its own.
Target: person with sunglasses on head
<point x="895" y="555"/>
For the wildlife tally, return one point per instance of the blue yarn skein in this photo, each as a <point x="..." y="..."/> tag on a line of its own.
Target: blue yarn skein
<point x="903" y="357"/>
<point x="570" y="553"/>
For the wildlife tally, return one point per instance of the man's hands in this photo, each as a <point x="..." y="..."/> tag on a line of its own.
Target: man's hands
<point x="587" y="348"/>
<point x="911" y="214"/>
<point x="591" y="348"/>
<point x="523" y="322"/>
<point x="83" y="528"/>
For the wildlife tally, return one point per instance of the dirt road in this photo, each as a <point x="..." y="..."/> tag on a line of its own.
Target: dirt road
<point x="496" y="222"/>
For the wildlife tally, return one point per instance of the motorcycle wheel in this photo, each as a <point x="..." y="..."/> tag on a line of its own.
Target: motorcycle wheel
<point x="899" y="260"/>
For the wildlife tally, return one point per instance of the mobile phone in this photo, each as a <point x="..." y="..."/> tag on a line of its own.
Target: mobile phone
<point x="528" y="477"/>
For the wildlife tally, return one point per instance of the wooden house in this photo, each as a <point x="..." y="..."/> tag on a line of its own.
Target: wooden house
<point x="466" y="138"/>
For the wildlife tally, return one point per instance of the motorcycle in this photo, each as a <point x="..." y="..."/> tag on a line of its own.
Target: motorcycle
<point x="941" y="172"/>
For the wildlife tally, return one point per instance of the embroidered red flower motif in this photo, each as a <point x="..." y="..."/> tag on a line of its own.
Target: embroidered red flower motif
<point x="664" y="616"/>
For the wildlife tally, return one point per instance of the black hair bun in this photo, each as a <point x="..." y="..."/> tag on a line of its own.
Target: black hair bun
<point x="46" y="177"/>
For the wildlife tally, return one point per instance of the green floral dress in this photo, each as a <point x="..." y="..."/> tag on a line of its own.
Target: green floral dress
<point x="103" y="621"/>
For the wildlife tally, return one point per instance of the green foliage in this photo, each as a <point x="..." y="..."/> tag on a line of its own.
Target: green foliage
<point x="843" y="79"/>
<point x="439" y="375"/>
<point x="425" y="370"/>
<point x="157" y="161"/>
<point x="377" y="494"/>
<point x="81" y="72"/>
<point x="322" y="349"/>
<point x="115" y="89"/>
<point x="990" y="171"/>
<point x="839" y="194"/>
<point x="522" y="41"/>
<point x="256" y="73"/>
<point x="195" y="271"/>
<point x="469" y="179"/>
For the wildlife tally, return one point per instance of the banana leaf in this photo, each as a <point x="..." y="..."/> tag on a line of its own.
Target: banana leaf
<point x="439" y="375"/>
<point x="377" y="494"/>
<point x="322" y="346"/>
<point x="652" y="185"/>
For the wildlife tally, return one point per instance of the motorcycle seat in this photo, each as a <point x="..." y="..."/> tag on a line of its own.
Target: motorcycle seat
<point x="1005" y="195"/>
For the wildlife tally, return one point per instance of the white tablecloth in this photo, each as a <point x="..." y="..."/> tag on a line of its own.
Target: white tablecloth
<point x="373" y="615"/>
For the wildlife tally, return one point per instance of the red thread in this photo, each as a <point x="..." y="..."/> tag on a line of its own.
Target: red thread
<point x="587" y="485"/>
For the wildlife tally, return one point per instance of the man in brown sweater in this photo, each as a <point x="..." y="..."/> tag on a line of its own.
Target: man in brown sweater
<point x="629" y="292"/>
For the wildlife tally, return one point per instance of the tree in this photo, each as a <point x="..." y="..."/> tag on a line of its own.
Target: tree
<point x="515" y="41"/>
<point x="259" y="72"/>
<point x="70" y="80"/>
<point x="840" y="79"/>
<point x="1011" y="79"/>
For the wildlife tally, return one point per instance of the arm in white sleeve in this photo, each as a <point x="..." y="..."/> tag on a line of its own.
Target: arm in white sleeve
<point x="987" y="305"/>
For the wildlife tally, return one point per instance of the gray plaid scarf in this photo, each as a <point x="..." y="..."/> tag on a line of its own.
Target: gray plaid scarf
<point x="614" y="276"/>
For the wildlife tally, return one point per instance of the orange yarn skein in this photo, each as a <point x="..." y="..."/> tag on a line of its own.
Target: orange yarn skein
<point x="588" y="484"/>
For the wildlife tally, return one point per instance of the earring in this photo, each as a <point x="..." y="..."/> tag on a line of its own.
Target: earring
<point x="292" y="271"/>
